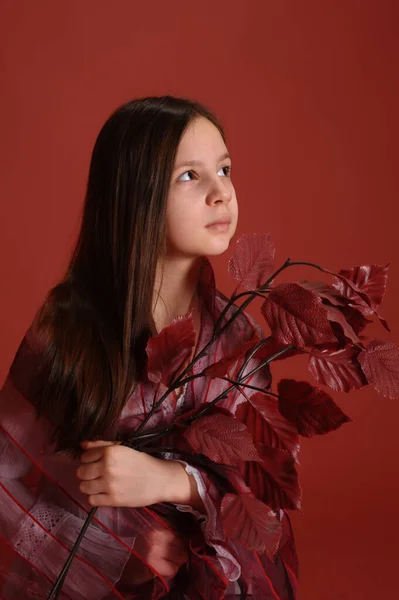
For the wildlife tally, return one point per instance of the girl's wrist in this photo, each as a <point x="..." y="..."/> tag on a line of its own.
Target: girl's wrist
<point x="180" y="487"/>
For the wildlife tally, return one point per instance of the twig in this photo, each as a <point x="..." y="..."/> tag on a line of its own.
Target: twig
<point x="61" y="577"/>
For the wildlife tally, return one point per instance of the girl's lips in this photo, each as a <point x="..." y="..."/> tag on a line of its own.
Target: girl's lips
<point x="219" y="226"/>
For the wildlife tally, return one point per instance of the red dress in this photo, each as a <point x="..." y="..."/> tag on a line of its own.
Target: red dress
<point x="42" y="509"/>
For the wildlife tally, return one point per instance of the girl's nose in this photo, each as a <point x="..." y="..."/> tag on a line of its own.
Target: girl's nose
<point x="220" y="193"/>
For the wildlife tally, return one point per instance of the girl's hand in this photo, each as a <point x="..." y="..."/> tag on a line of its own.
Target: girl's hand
<point x="115" y="475"/>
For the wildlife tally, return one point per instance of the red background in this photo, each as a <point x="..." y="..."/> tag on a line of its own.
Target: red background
<point x="308" y="94"/>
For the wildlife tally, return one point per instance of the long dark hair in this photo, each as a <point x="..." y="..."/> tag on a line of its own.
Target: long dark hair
<point x="97" y="320"/>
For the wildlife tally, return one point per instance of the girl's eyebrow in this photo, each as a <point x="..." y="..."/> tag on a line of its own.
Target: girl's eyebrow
<point x="193" y="163"/>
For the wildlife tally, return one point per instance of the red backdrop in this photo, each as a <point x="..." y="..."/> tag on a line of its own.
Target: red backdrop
<point x="308" y="94"/>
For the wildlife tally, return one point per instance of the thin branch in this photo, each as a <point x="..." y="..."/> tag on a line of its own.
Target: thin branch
<point x="252" y="387"/>
<point x="61" y="577"/>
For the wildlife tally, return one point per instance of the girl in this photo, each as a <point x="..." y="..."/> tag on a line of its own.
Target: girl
<point x="160" y="199"/>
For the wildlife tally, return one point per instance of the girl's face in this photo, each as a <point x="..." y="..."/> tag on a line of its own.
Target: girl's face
<point x="201" y="192"/>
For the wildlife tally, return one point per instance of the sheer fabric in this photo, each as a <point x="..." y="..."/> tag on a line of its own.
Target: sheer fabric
<point x="42" y="509"/>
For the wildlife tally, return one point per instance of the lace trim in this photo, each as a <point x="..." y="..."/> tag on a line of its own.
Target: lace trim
<point x="32" y="536"/>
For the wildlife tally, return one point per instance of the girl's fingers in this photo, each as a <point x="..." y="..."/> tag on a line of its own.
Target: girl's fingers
<point x="93" y="487"/>
<point x="92" y="455"/>
<point x="94" y="450"/>
<point x="90" y="471"/>
<point x="99" y="500"/>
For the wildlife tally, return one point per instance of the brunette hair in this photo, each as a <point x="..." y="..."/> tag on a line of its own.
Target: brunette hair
<point x="98" y="318"/>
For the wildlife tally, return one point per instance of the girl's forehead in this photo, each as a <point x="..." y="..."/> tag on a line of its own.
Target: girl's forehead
<point x="200" y="141"/>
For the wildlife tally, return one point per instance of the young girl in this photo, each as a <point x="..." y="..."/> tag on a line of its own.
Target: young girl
<point x="160" y="199"/>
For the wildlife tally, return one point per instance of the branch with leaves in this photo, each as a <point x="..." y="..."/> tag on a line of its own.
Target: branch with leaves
<point x="326" y="322"/>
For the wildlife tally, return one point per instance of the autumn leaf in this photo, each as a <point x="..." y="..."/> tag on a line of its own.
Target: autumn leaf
<point x="274" y="479"/>
<point x="355" y="318"/>
<point x="324" y="291"/>
<point x="339" y="369"/>
<point x="253" y="260"/>
<point x="252" y="523"/>
<point x="239" y="349"/>
<point x="297" y="316"/>
<point x="335" y="315"/>
<point x="365" y="287"/>
<point x="196" y="413"/>
<point x="309" y="408"/>
<point x="170" y="349"/>
<point x="367" y="279"/>
<point x="380" y="364"/>
<point x="221" y="438"/>
<point x="277" y="432"/>
<point x="339" y="309"/>
<point x="271" y="347"/>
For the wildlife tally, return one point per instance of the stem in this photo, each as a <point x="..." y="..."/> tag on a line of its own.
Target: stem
<point x="251" y="387"/>
<point x="306" y="263"/>
<point x="63" y="573"/>
<point x="252" y="354"/>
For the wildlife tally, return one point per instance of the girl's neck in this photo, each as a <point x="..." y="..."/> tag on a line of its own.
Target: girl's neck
<point x="175" y="294"/>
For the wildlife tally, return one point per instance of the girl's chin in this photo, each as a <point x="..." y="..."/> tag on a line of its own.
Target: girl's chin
<point x="217" y="247"/>
<point x="209" y="247"/>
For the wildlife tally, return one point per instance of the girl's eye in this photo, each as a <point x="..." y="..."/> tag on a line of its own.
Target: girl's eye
<point x="186" y="172"/>
<point x="228" y="170"/>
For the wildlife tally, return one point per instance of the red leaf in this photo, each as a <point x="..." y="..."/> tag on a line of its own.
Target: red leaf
<point x="272" y="347"/>
<point x="274" y="480"/>
<point x="297" y="316"/>
<point x="325" y="291"/>
<point x="221" y="438"/>
<point x="333" y="298"/>
<point x="252" y="262"/>
<point x="170" y="349"/>
<point x="191" y="415"/>
<point x="380" y="364"/>
<point x="278" y="432"/>
<point x="337" y="368"/>
<point x="384" y="323"/>
<point x="334" y="314"/>
<point x="351" y="320"/>
<point x="222" y="366"/>
<point x="368" y="279"/>
<point x="365" y="286"/>
<point x="355" y="318"/>
<point x="252" y="523"/>
<point x="310" y="408"/>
